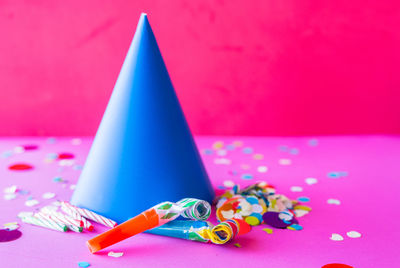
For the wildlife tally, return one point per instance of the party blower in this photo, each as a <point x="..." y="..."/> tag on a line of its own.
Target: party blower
<point x="158" y="215"/>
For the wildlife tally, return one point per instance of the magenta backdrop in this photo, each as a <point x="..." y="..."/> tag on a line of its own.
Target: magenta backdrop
<point x="261" y="67"/>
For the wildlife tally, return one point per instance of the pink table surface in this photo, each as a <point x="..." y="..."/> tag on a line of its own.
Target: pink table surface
<point x="368" y="194"/>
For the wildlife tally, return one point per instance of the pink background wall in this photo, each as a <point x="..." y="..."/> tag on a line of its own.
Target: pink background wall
<point x="261" y="67"/>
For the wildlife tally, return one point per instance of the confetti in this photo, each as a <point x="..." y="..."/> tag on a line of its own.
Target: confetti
<point x="295" y="227"/>
<point x="115" y="254"/>
<point x="221" y="152"/>
<point x="66" y="162"/>
<point x="303" y="199"/>
<point x="262" y="169"/>
<point x="353" y="234"/>
<point x="208" y="151"/>
<point x="230" y="147"/>
<point x="294" y="151"/>
<point x="336" y="265"/>
<point x="332" y="201"/>
<point x="72" y="186"/>
<point x="65" y="156"/>
<point x="11" y="226"/>
<point x="258" y="156"/>
<point x="229" y="184"/>
<point x="30" y="147"/>
<point x="247" y="177"/>
<point x="247" y="150"/>
<point x="268" y="230"/>
<point x="237" y="245"/>
<point x="11" y="189"/>
<point x="296" y="189"/>
<point x="245" y="166"/>
<point x="24" y="214"/>
<point x="48" y="195"/>
<point x="300" y="213"/>
<point x="20" y="166"/>
<point x="237" y="143"/>
<point x="311" y="181"/>
<point x="313" y="142"/>
<point x="283" y="148"/>
<point x="336" y="237"/>
<point x="9" y="235"/>
<point x="76" y="141"/>
<point x="222" y="161"/>
<point x="31" y="203"/>
<point x="218" y="145"/>
<point x="285" y="162"/>
<point x="51" y="140"/>
<point x="19" y="150"/>
<point x="83" y="264"/>
<point x="10" y="196"/>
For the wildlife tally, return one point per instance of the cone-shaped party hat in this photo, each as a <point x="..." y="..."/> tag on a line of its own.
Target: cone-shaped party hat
<point x="143" y="152"/>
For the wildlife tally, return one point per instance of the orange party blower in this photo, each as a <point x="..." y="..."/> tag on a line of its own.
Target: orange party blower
<point x="156" y="216"/>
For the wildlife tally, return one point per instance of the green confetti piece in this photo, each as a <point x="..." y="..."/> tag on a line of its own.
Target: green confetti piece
<point x="165" y="206"/>
<point x="168" y="216"/>
<point x="268" y="230"/>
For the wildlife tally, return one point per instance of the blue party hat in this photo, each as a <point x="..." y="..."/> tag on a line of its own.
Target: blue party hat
<point x="143" y="152"/>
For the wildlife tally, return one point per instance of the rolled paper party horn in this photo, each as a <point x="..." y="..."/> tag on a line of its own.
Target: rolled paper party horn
<point x="153" y="217"/>
<point x="203" y="231"/>
<point x="183" y="229"/>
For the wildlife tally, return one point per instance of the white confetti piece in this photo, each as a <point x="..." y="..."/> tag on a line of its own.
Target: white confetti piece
<point x="296" y="189"/>
<point x="227" y="214"/>
<point x="222" y="161"/>
<point x="19" y="150"/>
<point x="353" y="234"/>
<point x="72" y="186"/>
<point x="311" y="181"/>
<point x="50" y="207"/>
<point x="10" y="196"/>
<point x="229" y="184"/>
<point x="257" y="208"/>
<point x="48" y="195"/>
<point x="11" y="226"/>
<point x="262" y="169"/>
<point x="10" y="190"/>
<point x="31" y="203"/>
<point x="332" y="201"/>
<point x="285" y="162"/>
<point x="300" y="213"/>
<point x="66" y="162"/>
<point x="336" y="237"/>
<point x="76" y="141"/>
<point x="221" y="152"/>
<point x="115" y="254"/>
<point x="24" y="214"/>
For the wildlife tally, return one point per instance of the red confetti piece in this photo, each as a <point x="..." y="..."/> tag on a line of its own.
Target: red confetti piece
<point x="336" y="265"/>
<point x="65" y="156"/>
<point x="20" y="167"/>
<point x="30" y="147"/>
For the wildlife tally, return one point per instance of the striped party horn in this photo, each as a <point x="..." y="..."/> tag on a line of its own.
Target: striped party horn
<point x="43" y="223"/>
<point x="53" y="218"/>
<point x="151" y="218"/>
<point x="195" y="209"/>
<point x="86" y="224"/>
<point x="91" y="215"/>
<point x="66" y="219"/>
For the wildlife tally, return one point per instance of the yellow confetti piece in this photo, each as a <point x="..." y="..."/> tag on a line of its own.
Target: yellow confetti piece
<point x="302" y="207"/>
<point x="218" y="145"/>
<point x="253" y="221"/>
<point x="237" y="143"/>
<point x="268" y="230"/>
<point x="258" y="156"/>
<point x="237" y="245"/>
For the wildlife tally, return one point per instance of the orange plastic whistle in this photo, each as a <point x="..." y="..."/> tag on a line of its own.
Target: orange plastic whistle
<point x="144" y="221"/>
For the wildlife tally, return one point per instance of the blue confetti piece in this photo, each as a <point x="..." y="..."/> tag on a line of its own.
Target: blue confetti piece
<point x="29" y="198"/>
<point x="247" y="150"/>
<point x="295" y="227"/>
<point x="283" y="148"/>
<point x="333" y="175"/>
<point x="77" y="167"/>
<point x="208" y="151"/>
<point x="303" y="199"/>
<point x="230" y="147"/>
<point x="83" y="264"/>
<point x="51" y="140"/>
<point x="247" y="176"/>
<point x="252" y="200"/>
<point x="343" y="173"/>
<point x="7" y="154"/>
<point x="313" y="142"/>
<point x="221" y="187"/>
<point x="52" y="156"/>
<point x="23" y="192"/>
<point x="57" y="179"/>
<point x="294" y="151"/>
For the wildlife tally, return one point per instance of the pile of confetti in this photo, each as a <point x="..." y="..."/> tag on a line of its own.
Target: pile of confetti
<point x="259" y="203"/>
